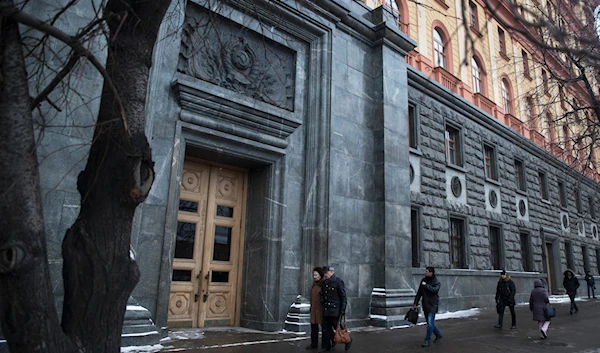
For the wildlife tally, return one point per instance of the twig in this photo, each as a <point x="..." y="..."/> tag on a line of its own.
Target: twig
<point x="57" y="79"/>
<point x="79" y="49"/>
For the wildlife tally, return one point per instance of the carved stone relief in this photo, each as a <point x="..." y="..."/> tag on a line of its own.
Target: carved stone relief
<point x="219" y="51"/>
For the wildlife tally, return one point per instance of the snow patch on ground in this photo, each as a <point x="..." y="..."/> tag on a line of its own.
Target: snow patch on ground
<point x="144" y="349"/>
<point x="458" y="314"/>
<point x="186" y="335"/>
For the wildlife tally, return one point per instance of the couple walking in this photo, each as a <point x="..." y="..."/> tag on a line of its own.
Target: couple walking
<point x="327" y="306"/>
<point x="538" y="303"/>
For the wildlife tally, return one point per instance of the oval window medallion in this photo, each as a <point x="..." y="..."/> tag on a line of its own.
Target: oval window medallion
<point x="565" y="221"/>
<point x="456" y="186"/>
<point x="412" y="173"/>
<point x="493" y="198"/>
<point x="522" y="208"/>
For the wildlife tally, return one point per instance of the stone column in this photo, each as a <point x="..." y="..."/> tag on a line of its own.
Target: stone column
<point x="393" y="294"/>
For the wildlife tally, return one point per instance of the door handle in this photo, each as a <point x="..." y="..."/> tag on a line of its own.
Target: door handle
<point x="205" y="296"/>
<point x="197" y="294"/>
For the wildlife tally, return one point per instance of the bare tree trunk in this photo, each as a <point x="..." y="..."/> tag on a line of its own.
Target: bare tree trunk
<point x="27" y="309"/>
<point x="99" y="273"/>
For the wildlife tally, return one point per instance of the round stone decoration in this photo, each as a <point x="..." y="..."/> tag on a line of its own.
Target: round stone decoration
<point x="522" y="208"/>
<point x="493" y="198"/>
<point x="456" y="186"/>
<point x="565" y="221"/>
<point x="412" y="173"/>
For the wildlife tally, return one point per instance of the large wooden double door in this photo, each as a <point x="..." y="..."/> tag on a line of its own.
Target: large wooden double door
<point x="208" y="247"/>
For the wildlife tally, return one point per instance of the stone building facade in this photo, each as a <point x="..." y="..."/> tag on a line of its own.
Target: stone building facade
<point x="282" y="137"/>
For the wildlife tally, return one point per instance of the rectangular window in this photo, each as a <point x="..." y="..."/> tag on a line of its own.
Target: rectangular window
<point x="578" y="201"/>
<point x="414" y="235"/>
<point x="501" y="41"/>
<point x="520" y="175"/>
<point x="526" y="252"/>
<point x="489" y="161"/>
<point x="495" y="247"/>
<point x="592" y="207"/>
<point x="474" y="21"/>
<point x="457" y="243"/>
<point x="525" y="62"/>
<point x="543" y="185"/>
<point x="412" y="127"/>
<point x="562" y="194"/>
<point x="545" y="81"/>
<point x="453" y="146"/>
<point x="569" y="255"/>
<point x="586" y="258"/>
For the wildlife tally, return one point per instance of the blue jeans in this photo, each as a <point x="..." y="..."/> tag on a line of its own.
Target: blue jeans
<point x="431" y="327"/>
<point x="592" y="287"/>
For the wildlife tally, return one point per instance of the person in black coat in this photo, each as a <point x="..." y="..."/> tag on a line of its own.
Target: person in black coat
<point x="591" y="284"/>
<point x="428" y="291"/>
<point x="571" y="283"/>
<point x="333" y="296"/>
<point x="505" y="296"/>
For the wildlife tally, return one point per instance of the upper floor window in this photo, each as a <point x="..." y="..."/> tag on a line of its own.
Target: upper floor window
<point x="501" y="41"/>
<point x="562" y="194"/>
<point x="525" y="62"/>
<point x="520" y="175"/>
<point x="439" y="49"/>
<point x="489" y="161"/>
<point x="474" y="21"/>
<point x="592" y="207"/>
<point x="545" y="81"/>
<point x="413" y="135"/>
<point x="543" y="185"/>
<point x="529" y="112"/>
<point x="550" y="10"/>
<point x="476" y="75"/>
<point x="578" y="201"/>
<point x="453" y="146"/>
<point x="506" y="96"/>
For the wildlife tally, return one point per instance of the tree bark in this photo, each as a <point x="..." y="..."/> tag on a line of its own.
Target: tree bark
<point x="99" y="273"/>
<point x="27" y="309"/>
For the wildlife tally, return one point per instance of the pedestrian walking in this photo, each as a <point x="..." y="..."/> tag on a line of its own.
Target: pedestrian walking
<point x="591" y="284"/>
<point x="333" y="296"/>
<point x="571" y="283"/>
<point x="316" y="308"/>
<point x="428" y="291"/>
<point x="505" y="296"/>
<point x="537" y="302"/>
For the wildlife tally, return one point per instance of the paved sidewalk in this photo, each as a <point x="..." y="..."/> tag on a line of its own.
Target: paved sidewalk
<point x="568" y="333"/>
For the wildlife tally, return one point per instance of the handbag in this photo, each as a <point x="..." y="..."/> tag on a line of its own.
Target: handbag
<point x="412" y="316"/>
<point x="549" y="312"/>
<point x="341" y="331"/>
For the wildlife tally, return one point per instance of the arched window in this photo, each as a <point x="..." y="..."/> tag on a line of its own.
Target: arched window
<point x="439" y="49"/>
<point x="506" y="96"/>
<point x="476" y="71"/>
<point x="399" y="7"/>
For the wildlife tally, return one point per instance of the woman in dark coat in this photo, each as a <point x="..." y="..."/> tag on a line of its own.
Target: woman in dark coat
<point x="571" y="283"/>
<point x="537" y="302"/>
<point x="316" y="308"/>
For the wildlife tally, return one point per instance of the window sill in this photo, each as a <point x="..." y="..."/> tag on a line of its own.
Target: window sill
<point x="456" y="167"/>
<point x="546" y="201"/>
<point x="504" y="56"/>
<point x="522" y="192"/>
<point x="443" y="4"/>
<point x="493" y="181"/>
<point x="416" y="151"/>
<point x="476" y="31"/>
<point x="564" y="208"/>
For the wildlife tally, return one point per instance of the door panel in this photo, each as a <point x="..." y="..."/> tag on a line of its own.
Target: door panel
<point x="207" y="254"/>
